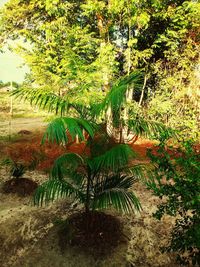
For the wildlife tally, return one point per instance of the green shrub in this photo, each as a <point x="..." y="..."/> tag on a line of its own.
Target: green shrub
<point x="177" y="183"/>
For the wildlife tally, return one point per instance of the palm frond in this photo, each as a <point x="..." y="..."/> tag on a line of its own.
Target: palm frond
<point x="114" y="159"/>
<point x="149" y="129"/>
<point x="115" y="180"/>
<point x="83" y="111"/>
<point x="44" y="99"/>
<point x="57" y="130"/>
<point x="64" y="164"/>
<point x="55" y="189"/>
<point x="116" y="191"/>
<point x="141" y="171"/>
<point x="116" y="97"/>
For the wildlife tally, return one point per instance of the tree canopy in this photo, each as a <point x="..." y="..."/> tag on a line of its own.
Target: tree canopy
<point x="82" y="47"/>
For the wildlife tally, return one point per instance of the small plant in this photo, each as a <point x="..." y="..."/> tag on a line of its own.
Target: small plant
<point x="16" y="169"/>
<point x="177" y="183"/>
<point x="98" y="181"/>
<point x="17" y="184"/>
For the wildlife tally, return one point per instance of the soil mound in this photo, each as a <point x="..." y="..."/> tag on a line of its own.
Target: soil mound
<point x="96" y="233"/>
<point x="20" y="186"/>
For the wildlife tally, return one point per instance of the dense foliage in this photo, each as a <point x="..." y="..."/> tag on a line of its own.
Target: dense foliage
<point x="80" y="48"/>
<point x="177" y="183"/>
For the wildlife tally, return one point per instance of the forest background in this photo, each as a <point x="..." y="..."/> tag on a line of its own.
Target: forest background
<point x="80" y="49"/>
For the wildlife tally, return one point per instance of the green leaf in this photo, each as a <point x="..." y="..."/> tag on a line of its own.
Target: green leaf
<point x="149" y="129"/>
<point x="44" y="99"/>
<point x="116" y="97"/>
<point x="58" y="129"/>
<point x="64" y="163"/>
<point x="54" y="189"/>
<point x="114" y="159"/>
<point x="116" y="191"/>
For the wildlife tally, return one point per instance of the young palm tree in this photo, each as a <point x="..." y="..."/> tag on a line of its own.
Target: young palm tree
<point x="99" y="182"/>
<point x="103" y="178"/>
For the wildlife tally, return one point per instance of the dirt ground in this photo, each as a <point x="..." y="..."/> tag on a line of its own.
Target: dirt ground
<point x="29" y="235"/>
<point x="11" y="127"/>
<point x="29" y="238"/>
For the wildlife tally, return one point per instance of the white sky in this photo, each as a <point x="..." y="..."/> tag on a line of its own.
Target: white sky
<point x="3" y="2"/>
<point x="10" y="63"/>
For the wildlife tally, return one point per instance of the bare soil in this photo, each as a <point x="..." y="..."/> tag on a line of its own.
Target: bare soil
<point x="94" y="233"/>
<point x="29" y="236"/>
<point x="20" y="186"/>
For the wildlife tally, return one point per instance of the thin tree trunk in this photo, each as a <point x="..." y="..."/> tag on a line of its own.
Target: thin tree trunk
<point x="129" y="92"/>
<point x="104" y="36"/>
<point x="142" y="94"/>
<point x="87" y="202"/>
<point x="121" y="139"/>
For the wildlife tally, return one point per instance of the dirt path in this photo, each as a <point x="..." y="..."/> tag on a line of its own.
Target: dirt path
<point x="18" y="124"/>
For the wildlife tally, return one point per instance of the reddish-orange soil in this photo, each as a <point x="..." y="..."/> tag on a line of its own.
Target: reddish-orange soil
<point x="32" y="153"/>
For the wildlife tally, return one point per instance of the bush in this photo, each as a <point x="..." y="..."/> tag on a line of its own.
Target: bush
<point x="177" y="183"/>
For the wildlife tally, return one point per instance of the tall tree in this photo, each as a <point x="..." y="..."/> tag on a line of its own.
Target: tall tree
<point x="84" y="46"/>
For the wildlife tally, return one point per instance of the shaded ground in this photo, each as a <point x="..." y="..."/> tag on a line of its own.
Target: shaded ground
<point x="95" y="233"/>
